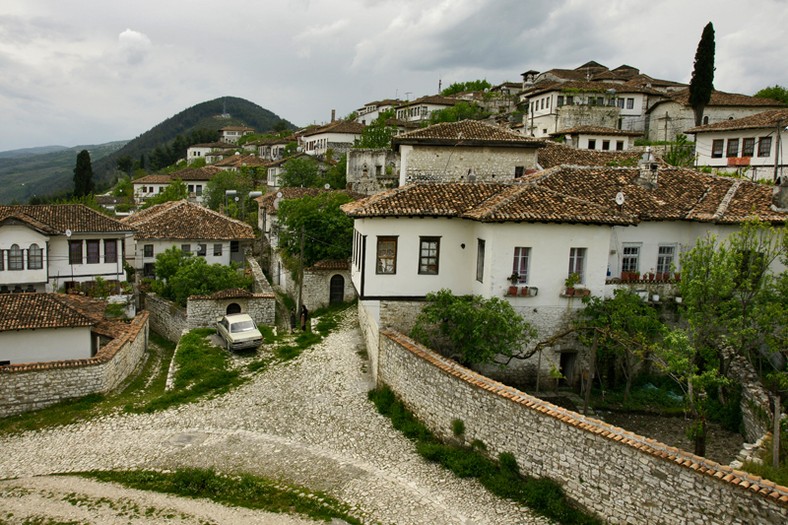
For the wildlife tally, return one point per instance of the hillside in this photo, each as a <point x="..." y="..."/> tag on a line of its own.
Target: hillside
<point x="50" y="170"/>
<point x="204" y="116"/>
<point x="29" y="172"/>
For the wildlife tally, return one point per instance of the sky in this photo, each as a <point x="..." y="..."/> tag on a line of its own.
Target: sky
<point x="81" y="72"/>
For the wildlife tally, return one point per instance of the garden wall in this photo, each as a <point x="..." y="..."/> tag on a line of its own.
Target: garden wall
<point x="166" y="318"/>
<point x="614" y="473"/>
<point x="32" y="386"/>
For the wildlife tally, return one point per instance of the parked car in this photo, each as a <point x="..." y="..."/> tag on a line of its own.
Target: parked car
<point x="239" y="332"/>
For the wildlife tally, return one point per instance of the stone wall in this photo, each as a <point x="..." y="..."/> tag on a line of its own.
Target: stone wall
<point x="32" y="386"/>
<point x="486" y="164"/>
<point x="203" y="312"/>
<point x="614" y="473"/>
<point x="166" y="318"/>
<point x="372" y="170"/>
<point x="756" y="407"/>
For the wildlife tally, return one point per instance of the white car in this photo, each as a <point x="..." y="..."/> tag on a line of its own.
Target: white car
<point x="239" y="332"/>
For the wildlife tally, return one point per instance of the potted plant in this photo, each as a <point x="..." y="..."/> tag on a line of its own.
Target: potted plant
<point x="514" y="279"/>
<point x="570" y="282"/>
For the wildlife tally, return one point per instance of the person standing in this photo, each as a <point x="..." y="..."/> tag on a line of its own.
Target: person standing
<point x="304" y="317"/>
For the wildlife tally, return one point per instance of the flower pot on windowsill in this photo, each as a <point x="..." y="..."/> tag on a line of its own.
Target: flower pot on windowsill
<point x="524" y="291"/>
<point x="512" y="290"/>
<point x="570" y="291"/>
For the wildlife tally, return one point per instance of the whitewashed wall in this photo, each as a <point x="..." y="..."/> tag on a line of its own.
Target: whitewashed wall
<point x="45" y="344"/>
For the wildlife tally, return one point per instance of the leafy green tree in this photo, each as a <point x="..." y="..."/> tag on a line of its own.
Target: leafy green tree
<point x="214" y="194"/>
<point x="336" y="176"/>
<point x="471" y="329"/>
<point x="623" y="330"/>
<point x="458" y="112"/>
<point x="83" y="175"/>
<point x="328" y="231"/>
<point x="702" y="81"/>
<point x="125" y="164"/>
<point x="175" y="191"/>
<point x="463" y="87"/>
<point x="180" y="274"/>
<point x="302" y="172"/>
<point x="378" y="134"/>
<point x="681" y="152"/>
<point x="775" y="92"/>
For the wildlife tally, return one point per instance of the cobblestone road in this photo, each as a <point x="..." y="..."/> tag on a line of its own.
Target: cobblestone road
<point x="306" y="421"/>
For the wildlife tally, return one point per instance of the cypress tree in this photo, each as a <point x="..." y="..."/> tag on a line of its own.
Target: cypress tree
<point x="83" y="175"/>
<point x="702" y="83"/>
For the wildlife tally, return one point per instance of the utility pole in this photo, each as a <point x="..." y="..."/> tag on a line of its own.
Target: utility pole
<point x="777" y="152"/>
<point x="301" y="273"/>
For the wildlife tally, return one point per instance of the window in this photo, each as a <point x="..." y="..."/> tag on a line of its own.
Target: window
<point x="35" y="257"/>
<point x="386" y="255"/>
<point x="630" y="103"/>
<point x="619" y="145"/>
<point x="235" y="247"/>
<point x="74" y="252"/>
<point x="665" y="258"/>
<point x="764" y="146"/>
<point x="716" y="148"/>
<point x="110" y="251"/>
<point x="522" y="256"/>
<point x="147" y="250"/>
<point x="93" y="251"/>
<point x="591" y="143"/>
<point x="560" y="101"/>
<point x="186" y="248"/>
<point x="519" y="171"/>
<point x="570" y="99"/>
<point x="620" y="103"/>
<point x="15" y="258"/>
<point x="630" y="259"/>
<point x="217" y="250"/>
<point x="2" y="260"/>
<point x="747" y="147"/>
<point x="190" y="188"/>
<point x="429" y="253"/>
<point x="198" y="189"/>
<point x="705" y="120"/>
<point x="733" y="148"/>
<point x="202" y="250"/>
<point x="480" y="260"/>
<point x="577" y="263"/>
<point x="600" y="101"/>
<point x="605" y="145"/>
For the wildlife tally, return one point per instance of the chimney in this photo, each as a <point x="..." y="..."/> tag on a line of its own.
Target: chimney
<point x="333" y="115"/>
<point x="648" y="170"/>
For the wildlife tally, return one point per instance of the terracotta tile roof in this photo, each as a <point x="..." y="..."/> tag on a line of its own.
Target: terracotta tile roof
<point x="680" y="194"/>
<point x="30" y="311"/>
<point x="214" y="145"/>
<point x="597" y="130"/>
<point x="187" y="221"/>
<point x="153" y="178"/>
<point x="203" y="173"/>
<point x="239" y="161"/>
<point x="720" y="98"/>
<point x="340" y="126"/>
<point x="587" y="86"/>
<point x="468" y="132"/>
<point x="556" y="154"/>
<point x="283" y="160"/>
<point x="275" y="140"/>
<point x="572" y="194"/>
<point x="767" y="119"/>
<point x="236" y="128"/>
<point x="485" y="202"/>
<point x="437" y="100"/>
<point x="61" y="217"/>
<point x="331" y="264"/>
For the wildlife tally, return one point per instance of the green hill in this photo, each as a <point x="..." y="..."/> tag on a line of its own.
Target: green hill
<point x="34" y="171"/>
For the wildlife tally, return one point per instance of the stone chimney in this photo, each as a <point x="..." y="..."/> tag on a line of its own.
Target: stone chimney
<point x="648" y="170"/>
<point x="333" y="115"/>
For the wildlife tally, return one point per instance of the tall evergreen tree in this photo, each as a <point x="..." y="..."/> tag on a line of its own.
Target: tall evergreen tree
<point x="702" y="82"/>
<point x="83" y="175"/>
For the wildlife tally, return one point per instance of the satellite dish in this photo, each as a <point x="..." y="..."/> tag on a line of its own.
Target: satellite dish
<point x="278" y="194"/>
<point x="327" y="186"/>
<point x="620" y="198"/>
<point x="68" y="233"/>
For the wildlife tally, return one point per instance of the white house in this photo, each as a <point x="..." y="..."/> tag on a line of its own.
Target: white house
<point x="274" y="149"/>
<point x="41" y="327"/>
<point x="46" y="247"/>
<point x="673" y="114"/>
<point x="419" y="110"/>
<point x="231" y="134"/>
<point x="753" y="146"/>
<point x="369" y="113"/>
<point x="189" y="227"/>
<point x="597" y="138"/>
<point x="149" y="186"/>
<point x="465" y="150"/>
<point x="338" y="136"/>
<point x="601" y="223"/>
<point x="210" y="152"/>
<point x="195" y="179"/>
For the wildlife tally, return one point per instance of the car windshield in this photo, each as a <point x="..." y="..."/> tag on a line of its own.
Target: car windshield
<point x="242" y="326"/>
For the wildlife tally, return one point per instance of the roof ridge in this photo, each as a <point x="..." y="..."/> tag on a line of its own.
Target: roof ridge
<point x="68" y="304"/>
<point x="725" y="202"/>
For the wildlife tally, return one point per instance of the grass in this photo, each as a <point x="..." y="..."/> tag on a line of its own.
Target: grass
<point x="244" y="490"/>
<point x="501" y="477"/>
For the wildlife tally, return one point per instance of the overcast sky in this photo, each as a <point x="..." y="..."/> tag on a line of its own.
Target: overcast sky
<point x="77" y="72"/>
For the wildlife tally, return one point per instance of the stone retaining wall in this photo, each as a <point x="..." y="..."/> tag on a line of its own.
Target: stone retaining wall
<point x="756" y="408"/>
<point x="166" y="318"/>
<point x="32" y="386"/>
<point x="612" y="472"/>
